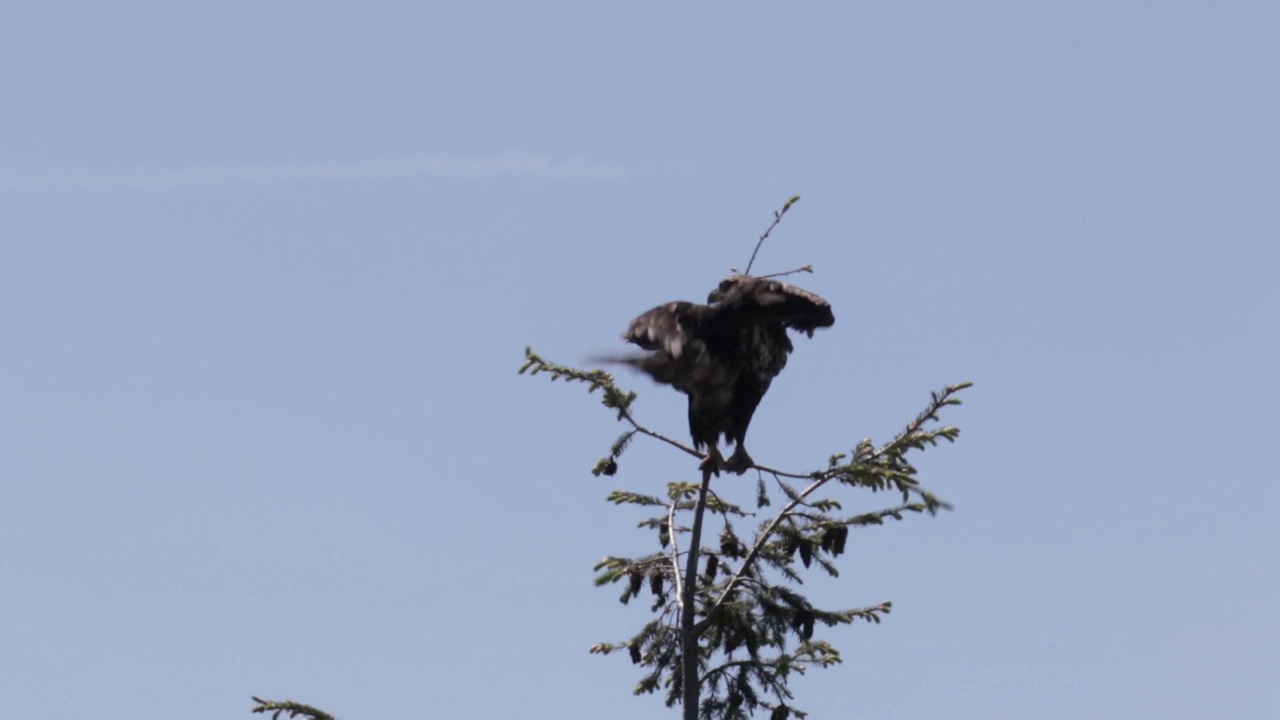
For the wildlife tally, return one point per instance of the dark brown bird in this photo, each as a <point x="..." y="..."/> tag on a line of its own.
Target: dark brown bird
<point x="725" y="354"/>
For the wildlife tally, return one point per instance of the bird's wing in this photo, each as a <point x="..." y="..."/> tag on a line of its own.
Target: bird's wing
<point x="792" y="306"/>
<point x="669" y="328"/>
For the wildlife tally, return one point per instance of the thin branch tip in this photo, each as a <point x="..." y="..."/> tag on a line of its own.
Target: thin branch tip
<point x="777" y="218"/>
<point x="801" y="269"/>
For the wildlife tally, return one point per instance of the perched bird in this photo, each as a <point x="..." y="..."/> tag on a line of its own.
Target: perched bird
<point x="724" y="355"/>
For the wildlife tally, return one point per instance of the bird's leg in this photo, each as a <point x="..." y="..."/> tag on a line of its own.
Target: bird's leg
<point x="713" y="460"/>
<point x="740" y="461"/>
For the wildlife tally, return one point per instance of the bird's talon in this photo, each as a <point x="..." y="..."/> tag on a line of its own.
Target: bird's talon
<point x="712" y="461"/>
<point x="739" y="462"/>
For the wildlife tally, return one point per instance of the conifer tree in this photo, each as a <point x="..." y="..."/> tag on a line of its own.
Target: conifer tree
<point x="728" y="628"/>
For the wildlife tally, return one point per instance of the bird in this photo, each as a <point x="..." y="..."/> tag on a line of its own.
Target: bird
<point x="724" y="355"/>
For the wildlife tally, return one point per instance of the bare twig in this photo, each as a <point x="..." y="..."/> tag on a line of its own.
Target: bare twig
<point x="626" y="415"/>
<point x="802" y="268"/>
<point x="777" y="218"/>
<point x="784" y="473"/>
<point x="675" y="551"/>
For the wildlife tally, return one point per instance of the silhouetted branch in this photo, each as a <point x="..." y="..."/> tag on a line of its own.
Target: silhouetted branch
<point x="801" y="269"/>
<point x="777" y="218"/>
<point x="292" y="709"/>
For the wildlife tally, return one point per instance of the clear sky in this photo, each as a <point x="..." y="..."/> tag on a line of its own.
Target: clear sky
<point x="267" y="271"/>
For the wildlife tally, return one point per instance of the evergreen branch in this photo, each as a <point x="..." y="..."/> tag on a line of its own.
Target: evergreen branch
<point x="777" y="218"/>
<point x="756" y="549"/>
<point x="724" y="507"/>
<point x="614" y="398"/>
<point x="626" y="415"/>
<point x="596" y="379"/>
<point x="878" y="517"/>
<point x="621" y="497"/>
<point x="609" y="465"/>
<point x="291" y="708"/>
<point x="909" y="438"/>
<point x="878" y="467"/>
<point x="713" y="674"/>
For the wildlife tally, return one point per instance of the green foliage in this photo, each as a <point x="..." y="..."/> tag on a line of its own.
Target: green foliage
<point x="595" y="379"/>
<point x="753" y="632"/>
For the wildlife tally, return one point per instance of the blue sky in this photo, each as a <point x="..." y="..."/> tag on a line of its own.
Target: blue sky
<point x="267" y="271"/>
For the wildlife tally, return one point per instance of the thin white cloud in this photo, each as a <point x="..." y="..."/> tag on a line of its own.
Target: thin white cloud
<point x="411" y="167"/>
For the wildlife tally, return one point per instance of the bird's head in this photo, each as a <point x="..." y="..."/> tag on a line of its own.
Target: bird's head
<point x="727" y="285"/>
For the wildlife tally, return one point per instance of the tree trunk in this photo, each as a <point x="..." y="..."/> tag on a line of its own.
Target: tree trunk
<point x="692" y="688"/>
